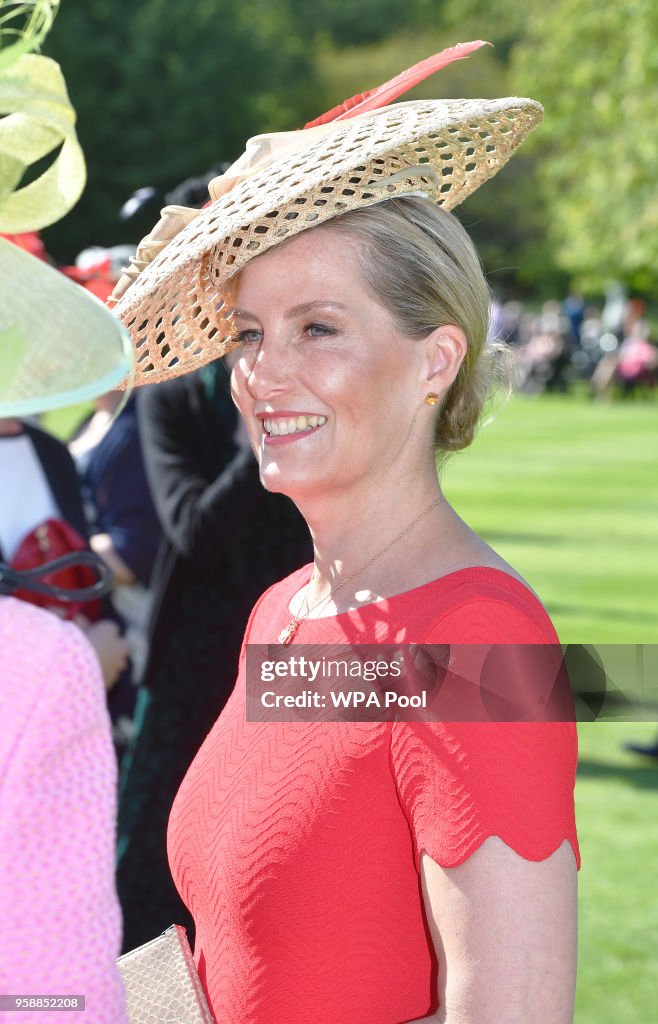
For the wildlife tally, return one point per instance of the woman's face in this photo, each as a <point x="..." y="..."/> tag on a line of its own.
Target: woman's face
<point x="330" y="389"/>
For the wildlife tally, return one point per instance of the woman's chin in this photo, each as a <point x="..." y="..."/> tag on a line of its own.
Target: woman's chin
<point x="293" y="485"/>
<point x="274" y="480"/>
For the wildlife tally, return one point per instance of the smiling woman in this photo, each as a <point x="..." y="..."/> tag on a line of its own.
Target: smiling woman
<point x="411" y="270"/>
<point x="326" y="367"/>
<point x="370" y="872"/>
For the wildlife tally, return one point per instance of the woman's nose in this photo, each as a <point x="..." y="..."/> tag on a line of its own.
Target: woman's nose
<point x="267" y="371"/>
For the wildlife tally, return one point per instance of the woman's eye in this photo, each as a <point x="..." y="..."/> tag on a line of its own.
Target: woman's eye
<point x="249" y="337"/>
<point x="319" y="330"/>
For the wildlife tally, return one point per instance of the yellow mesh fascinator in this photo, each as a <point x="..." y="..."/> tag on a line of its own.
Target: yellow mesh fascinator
<point x="58" y="344"/>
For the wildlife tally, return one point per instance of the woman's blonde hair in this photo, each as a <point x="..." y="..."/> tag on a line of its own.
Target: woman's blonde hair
<point x="422" y="267"/>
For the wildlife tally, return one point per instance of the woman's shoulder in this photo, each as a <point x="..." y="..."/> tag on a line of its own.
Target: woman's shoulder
<point x="483" y="604"/>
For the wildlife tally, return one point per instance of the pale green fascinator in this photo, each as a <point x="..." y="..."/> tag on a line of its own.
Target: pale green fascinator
<point x="58" y="344"/>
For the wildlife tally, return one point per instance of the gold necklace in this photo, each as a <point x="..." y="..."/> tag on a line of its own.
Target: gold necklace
<point x="288" y="634"/>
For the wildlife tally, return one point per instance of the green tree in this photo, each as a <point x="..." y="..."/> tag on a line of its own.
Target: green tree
<point x="164" y="90"/>
<point x="346" y="23"/>
<point x="595" y="67"/>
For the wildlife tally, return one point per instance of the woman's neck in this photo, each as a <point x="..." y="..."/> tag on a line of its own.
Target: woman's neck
<point x="370" y="544"/>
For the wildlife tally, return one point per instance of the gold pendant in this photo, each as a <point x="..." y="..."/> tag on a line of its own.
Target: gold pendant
<point x="287" y="635"/>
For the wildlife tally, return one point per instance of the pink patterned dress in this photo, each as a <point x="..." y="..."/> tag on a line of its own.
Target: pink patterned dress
<point x="60" y="924"/>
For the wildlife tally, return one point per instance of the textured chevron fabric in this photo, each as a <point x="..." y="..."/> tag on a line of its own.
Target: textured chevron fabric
<point x="296" y="845"/>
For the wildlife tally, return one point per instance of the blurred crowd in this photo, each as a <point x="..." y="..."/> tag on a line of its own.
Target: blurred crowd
<point x="607" y="346"/>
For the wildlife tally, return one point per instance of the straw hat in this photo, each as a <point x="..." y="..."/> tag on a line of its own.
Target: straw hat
<point x="176" y="299"/>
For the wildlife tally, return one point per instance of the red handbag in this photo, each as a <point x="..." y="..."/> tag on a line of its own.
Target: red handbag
<point x="53" y="539"/>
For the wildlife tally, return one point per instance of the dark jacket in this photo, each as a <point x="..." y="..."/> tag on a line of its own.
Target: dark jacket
<point x="118" y="496"/>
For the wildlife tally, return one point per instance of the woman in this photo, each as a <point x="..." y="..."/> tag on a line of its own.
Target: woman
<point x="373" y="871"/>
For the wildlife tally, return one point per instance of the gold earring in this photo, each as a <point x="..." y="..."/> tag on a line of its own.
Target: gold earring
<point x="432" y="398"/>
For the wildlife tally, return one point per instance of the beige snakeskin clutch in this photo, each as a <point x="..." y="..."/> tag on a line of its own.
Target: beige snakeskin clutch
<point x="161" y="982"/>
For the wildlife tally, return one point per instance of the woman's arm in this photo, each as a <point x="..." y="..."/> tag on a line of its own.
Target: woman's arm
<point x="103" y="545"/>
<point x="505" y="934"/>
<point x="493" y="803"/>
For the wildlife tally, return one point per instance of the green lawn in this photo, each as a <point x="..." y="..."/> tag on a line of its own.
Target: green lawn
<point x="567" y="491"/>
<point x="63" y="422"/>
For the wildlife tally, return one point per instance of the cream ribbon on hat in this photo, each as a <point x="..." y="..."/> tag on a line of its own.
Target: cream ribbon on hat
<point x="172" y="220"/>
<point x="260" y="152"/>
<point x="263" y="150"/>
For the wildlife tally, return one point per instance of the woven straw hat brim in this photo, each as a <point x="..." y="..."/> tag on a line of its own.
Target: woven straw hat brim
<point x="178" y="310"/>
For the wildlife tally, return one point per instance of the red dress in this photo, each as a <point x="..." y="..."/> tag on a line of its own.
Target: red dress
<point x="296" y="845"/>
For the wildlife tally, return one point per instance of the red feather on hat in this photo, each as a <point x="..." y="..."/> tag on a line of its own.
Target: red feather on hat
<point x="389" y="91"/>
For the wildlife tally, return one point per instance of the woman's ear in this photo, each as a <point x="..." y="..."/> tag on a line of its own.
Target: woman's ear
<point x="445" y="349"/>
